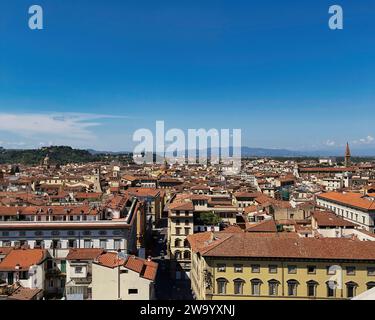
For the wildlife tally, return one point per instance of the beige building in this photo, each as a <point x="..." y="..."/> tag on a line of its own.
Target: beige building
<point x="245" y="266"/>
<point x="123" y="278"/>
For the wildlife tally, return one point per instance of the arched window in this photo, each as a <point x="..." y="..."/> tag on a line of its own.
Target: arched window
<point x="177" y="255"/>
<point x="351" y="288"/>
<point x="255" y="286"/>
<point x="221" y="285"/>
<point x="370" y="285"/>
<point x="311" y="288"/>
<point x="273" y="287"/>
<point x="177" y="243"/>
<point x="187" y="255"/>
<point x="238" y="286"/>
<point x="186" y="243"/>
<point x="292" y="287"/>
<point x="331" y="288"/>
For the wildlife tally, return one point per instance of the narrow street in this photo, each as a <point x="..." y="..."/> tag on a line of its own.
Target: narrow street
<point x="166" y="288"/>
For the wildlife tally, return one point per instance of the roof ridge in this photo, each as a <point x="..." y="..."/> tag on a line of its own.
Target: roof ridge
<point x="219" y="242"/>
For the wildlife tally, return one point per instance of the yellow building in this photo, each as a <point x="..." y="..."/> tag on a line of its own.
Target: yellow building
<point x="244" y="265"/>
<point x="180" y="225"/>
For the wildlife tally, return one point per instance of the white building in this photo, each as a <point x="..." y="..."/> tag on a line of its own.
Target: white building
<point x="353" y="207"/>
<point x="123" y="278"/>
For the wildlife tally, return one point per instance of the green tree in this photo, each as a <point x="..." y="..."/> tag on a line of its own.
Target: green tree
<point x="207" y="218"/>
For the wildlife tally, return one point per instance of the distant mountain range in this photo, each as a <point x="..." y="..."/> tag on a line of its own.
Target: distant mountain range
<point x="64" y="154"/>
<point x="267" y="152"/>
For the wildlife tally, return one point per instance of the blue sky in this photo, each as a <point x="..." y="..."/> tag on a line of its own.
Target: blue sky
<point x="102" y="69"/>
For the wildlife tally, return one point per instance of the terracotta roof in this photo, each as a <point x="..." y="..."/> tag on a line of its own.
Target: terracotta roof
<point x="264" y="226"/>
<point x="248" y="245"/>
<point x="326" y="169"/>
<point x="5" y="250"/>
<point x="350" y="198"/>
<point x="24" y="294"/>
<point x="143" y="192"/>
<point x="246" y="195"/>
<point x="181" y="206"/>
<point x="25" y="258"/>
<point x="329" y="219"/>
<point x="44" y="210"/>
<point x="109" y="259"/>
<point x="233" y="229"/>
<point x="146" y="269"/>
<point x="83" y="254"/>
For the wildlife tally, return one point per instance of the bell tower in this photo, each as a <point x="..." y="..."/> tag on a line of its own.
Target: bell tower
<point x="347" y="156"/>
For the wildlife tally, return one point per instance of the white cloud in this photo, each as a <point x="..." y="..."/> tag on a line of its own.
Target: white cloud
<point x="368" y="140"/>
<point x="64" y="125"/>
<point x="330" y="143"/>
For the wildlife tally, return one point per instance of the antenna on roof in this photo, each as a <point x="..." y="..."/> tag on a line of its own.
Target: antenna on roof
<point x="122" y="255"/>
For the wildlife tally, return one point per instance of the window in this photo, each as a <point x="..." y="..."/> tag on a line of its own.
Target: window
<point x="255" y="287"/>
<point x="117" y="244"/>
<point x="78" y="270"/>
<point x="177" y="255"/>
<point x="351" y="289"/>
<point x="178" y="231"/>
<point x="238" y="286"/>
<point x="72" y="243"/>
<point x="371" y="271"/>
<point x="370" y="285"/>
<point x="331" y="289"/>
<point x="221" y="267"/>
<point x="177" y="243"/>
<point x="186" y="243"/>
<point x="238" y="268"/>
<point x="177" y="222"/>
<point x="255" y="268"/>
<point x="292" y="287"/>
<point x="177" y="213"/>
<point x="187" y="231"/>
<point x="187" y="222"/>
<point x="103" y="244"/>
<point x="273" y="286"/>
<point x="6" y="243"/>
<point x="311" y="269"/>
<point x="272" y="268"/>
<point x="133" y="291"/>
<point x="363" y="220"/>
<point x="350" y="271"/>
<point x="292" y="269"/>
<point x="56" y="244"/>
<point x="311" y="288"/>
<point x="87" y="244"/>
<point x="187" y="255"/>
<point x="222" y="286"/>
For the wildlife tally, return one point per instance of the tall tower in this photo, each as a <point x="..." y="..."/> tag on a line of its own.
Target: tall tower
<point x="347" y="156"/>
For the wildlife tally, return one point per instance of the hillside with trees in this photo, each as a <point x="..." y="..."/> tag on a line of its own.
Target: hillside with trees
<point x="58" y="155"/>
